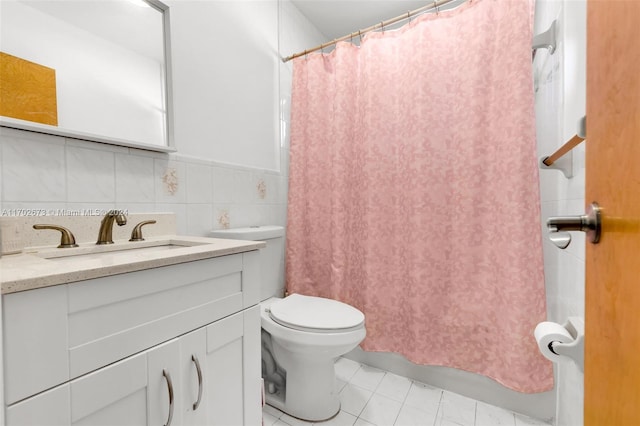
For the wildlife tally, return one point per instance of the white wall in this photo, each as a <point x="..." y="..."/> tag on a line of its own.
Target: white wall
<point x="296" y="33"/>
<point x="560" y="81"/>
<point x="225" y="81"/>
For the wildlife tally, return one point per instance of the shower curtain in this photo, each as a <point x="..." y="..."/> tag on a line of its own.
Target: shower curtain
<point x="413" y="191"/>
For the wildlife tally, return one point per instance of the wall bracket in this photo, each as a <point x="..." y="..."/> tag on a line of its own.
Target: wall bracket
<point x="546" y="40"/>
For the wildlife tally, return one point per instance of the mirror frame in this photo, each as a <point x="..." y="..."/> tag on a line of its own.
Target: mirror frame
<point x="68" y="133"/>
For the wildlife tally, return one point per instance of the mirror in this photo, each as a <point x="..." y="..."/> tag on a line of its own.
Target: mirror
<point x="94" y="70"/>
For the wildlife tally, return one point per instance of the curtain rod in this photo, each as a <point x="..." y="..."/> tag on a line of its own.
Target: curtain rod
<point x="435" y="5"/>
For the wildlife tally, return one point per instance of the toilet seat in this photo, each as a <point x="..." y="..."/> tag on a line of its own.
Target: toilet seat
<point x="316" y="314"/>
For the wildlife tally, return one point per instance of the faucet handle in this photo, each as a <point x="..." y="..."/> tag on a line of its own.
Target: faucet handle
<point x="136" y="234"/>
<point x="67" y="239"/>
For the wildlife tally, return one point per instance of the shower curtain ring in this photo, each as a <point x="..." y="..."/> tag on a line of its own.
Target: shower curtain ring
<point x="382" y="25"/>
<point x="435" y="6"/>
<point x="360" y="35"/>
<point x="409" y="15"/>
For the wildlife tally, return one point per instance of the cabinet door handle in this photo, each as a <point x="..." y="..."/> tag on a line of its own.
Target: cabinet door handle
<point x="199" y="371"/>
<point x="167" y="376"/>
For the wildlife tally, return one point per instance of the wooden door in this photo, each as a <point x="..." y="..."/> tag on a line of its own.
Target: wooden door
<point x="612" y="363"/>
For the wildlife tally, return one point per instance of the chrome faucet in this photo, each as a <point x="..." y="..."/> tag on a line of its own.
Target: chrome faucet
<point x="106" y="226"/>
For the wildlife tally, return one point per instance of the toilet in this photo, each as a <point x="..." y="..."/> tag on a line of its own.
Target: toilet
<point x="301" y="335"/>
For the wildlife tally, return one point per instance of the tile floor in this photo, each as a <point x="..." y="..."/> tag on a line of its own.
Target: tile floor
<point x="372" y="397"/>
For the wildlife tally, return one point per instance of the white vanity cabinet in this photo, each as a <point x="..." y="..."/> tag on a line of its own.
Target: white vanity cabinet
<point x="109" y="351"/>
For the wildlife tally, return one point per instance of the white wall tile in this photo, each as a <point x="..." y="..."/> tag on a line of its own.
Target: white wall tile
<point x="181" y="215"/>
<point x="137" y="207"/>
<point x="170" y="181"/>
<point x="222" y="218"/>
<point x="223" y="185"/>
<point x="269" y="214"/>
<point x="244" y="189"/>
<point x="199" y="219"/>
<point x="134" y="179"/>
<point x="570" y="391"/>
<point x="90" y="175"/>
<point x="560" y="100"/>
<point x="199" y="183"/>
<point x="246" y="214"/>
<point x="284" y="190"/>
<point x="33" y="170"/>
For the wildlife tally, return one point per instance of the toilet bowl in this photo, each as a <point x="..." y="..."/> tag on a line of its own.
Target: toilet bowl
<point x="301" y="335"/>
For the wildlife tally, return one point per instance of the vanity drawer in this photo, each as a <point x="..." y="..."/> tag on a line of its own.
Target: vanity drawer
<point x="55" y="334"/>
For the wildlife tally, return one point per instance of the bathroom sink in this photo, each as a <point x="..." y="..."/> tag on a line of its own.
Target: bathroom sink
<point x="118" y="251"/>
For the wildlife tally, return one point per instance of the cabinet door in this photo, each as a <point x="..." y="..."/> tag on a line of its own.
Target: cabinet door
<point x="164" y="385"/>
<point x="224" y="371"/>
<point x="48" y="408"/>
<point x="35" y="346"/>
<point x="114" y="395"/>
<point x="233" y="370"/>
<point x="193" y="369"/>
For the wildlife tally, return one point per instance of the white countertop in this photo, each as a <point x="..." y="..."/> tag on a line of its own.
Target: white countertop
<point x="31" y="270"/>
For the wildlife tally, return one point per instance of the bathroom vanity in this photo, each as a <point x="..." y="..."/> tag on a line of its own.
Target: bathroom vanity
<point x="156" y="337"/>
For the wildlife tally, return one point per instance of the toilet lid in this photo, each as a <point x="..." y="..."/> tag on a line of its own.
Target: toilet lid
<point x="315" y="314"/>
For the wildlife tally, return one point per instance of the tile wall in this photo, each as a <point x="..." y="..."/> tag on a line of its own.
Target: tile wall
<point x="44" y="173"/>
<point x="560" y="85"/>
<point x="205" y="190"/>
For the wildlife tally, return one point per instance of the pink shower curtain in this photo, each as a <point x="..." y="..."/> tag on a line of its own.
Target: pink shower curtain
<point x="413" y="190"/>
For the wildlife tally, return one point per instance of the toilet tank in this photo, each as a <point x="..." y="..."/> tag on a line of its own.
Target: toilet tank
<point x="271" y="257"/>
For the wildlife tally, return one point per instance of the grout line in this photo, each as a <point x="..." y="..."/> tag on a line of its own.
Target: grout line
<point x="435" y="421"/>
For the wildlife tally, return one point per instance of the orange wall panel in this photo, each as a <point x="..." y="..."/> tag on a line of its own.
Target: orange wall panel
<point x="27" y="90"/>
